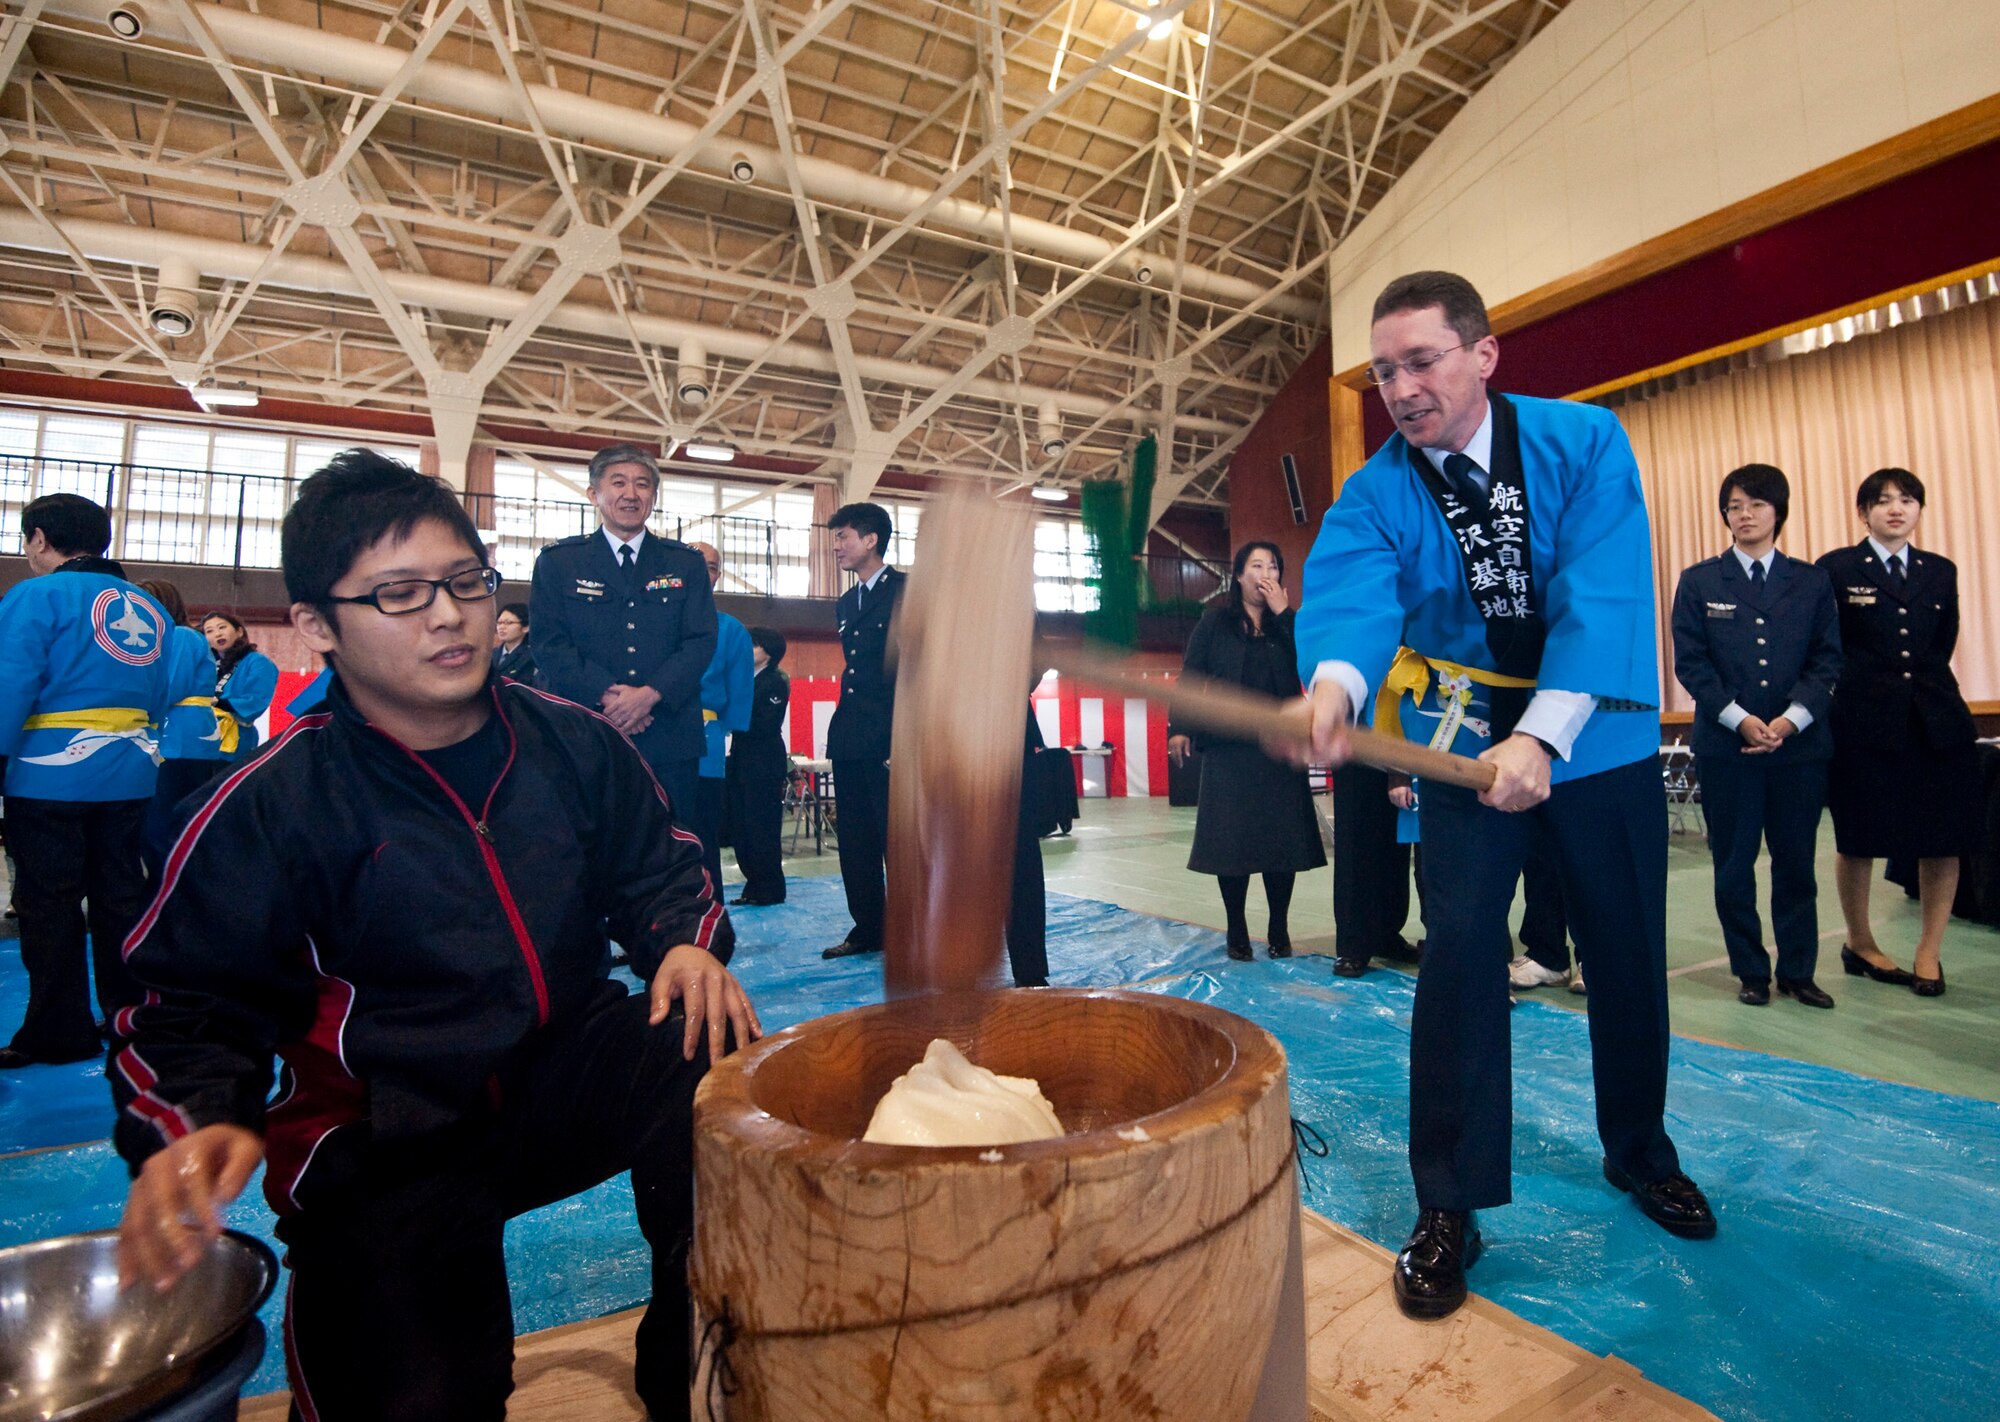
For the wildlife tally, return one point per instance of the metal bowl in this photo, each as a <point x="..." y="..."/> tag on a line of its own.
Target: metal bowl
<point x="75" y="1349"/>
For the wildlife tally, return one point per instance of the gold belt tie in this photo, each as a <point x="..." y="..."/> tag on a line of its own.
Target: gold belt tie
<point x="1411" y="673"/>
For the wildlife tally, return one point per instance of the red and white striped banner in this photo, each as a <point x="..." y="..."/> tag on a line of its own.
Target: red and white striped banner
<point x="1130" y="732"/>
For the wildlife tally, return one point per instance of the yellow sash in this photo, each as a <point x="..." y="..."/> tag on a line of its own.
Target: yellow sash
<point x="1411" y="673"/>
<point x="227" y="732"/>
<point x="708" y="715"/>
<point x="90" y="718"/>
<point x="126" y="721"/>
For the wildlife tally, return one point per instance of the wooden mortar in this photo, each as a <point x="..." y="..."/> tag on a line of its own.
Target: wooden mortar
<point x="1128" y="1270"/>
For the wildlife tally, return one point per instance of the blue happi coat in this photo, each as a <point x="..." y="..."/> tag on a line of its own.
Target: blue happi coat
<point x="725" y="694"/>
<point x="1386" y="572"/>
<point x="246" y="694"/>
<point x="85" y="646"/>
<point x="190" y="732"/>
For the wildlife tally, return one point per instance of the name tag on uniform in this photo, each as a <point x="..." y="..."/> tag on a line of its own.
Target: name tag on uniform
<point x="1862" y="596"/>
<point x="658" y="583"/>
<point x="586" y="588"/>
<point x="1721" y="609"/>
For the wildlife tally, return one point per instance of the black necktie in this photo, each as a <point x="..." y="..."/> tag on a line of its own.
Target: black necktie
<point x="860" y="596"/>
<point x="625" y="557"/>
<point x="1757" y="576"/>
<point x="1458" y="471"/>
<point x="1896" y="571"/>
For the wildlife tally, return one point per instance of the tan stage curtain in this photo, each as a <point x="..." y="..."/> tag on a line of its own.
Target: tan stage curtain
<point x="1924" y="396"/>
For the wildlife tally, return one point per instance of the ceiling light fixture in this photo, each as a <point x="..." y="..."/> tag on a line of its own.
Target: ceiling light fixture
<point x="214" y="395"/>
<point x="1049" y="493"/>
<point x="714" y="451"/>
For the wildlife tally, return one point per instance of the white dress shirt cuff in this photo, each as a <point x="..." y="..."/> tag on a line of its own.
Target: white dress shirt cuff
<point x="1798" y="716"/>
<point x="1731" y="716"/>
<point x="1557" y="717"/>
<point x="1348" y="677"/>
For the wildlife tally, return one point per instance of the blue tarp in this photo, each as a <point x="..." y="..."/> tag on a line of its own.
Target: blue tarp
<point x="1857" y="1270"/>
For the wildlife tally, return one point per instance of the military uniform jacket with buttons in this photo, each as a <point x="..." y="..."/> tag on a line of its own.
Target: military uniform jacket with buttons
<point x="861" y="720"/>
<point x="598" y="626"/>
<point x="1896" y="689"/>
<point x="1763" y="648"/>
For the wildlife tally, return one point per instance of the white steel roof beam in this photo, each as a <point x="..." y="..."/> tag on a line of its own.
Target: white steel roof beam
<point x="264" y="41"/>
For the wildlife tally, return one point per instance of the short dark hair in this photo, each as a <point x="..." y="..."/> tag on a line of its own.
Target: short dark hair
<point x="623" y="454"/>
<point x="71" y="523"/>
<point x="1758" y="481"/>
<point x="1874" y="486"/>
<point x="771" y="640"/>
<point x="167" y="596"/>
<point x="358" y="499"/>
<point x="520" y="611"/>
<point x="1463" y="309"/>
<point x="865" y="519"/>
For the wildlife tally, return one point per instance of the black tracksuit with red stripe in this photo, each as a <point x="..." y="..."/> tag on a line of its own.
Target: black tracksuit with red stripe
<point x="433" y="973"/>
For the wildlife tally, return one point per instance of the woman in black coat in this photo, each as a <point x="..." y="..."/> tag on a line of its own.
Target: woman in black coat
<point x="1904" y="779"/>
<point x="1254" y="814"/>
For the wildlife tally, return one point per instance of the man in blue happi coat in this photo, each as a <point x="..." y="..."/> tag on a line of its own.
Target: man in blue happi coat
<point x="1484" y="583"/>
<point x="88" y="669"/>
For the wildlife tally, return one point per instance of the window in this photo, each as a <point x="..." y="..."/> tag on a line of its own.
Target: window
<point x="1064" y="565"/>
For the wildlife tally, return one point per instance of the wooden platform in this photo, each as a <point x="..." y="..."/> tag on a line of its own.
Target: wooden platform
<point x="1364" y="1359"/>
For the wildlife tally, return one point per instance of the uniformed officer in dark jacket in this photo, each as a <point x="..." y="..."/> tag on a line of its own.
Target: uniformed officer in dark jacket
<point x="512" y="656"/>
<point x="625" y="622"/>
<point x="1757" y="644"/>
<point x="857" y="739"/>
<point x="1905" y="778"/>
<point x="759" y="767"/>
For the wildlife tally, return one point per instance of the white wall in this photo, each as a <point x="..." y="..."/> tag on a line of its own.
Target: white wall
<point x="1625" y="119"/>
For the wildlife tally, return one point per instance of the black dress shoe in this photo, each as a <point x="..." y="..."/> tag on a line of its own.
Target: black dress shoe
<point x="1805" y="992"/>
<point x="1928" y="987"/>
<point x="1430" y="1272"/>
<point x="1755" y="992"/>
<point x="1400" y="950"/>
<point x="12" y="1059"/>
<point x="745" y="901"/>
<point x="1674" y="1203"/>
<point x="1240" y="951"/>
<point x="1281" y="948"/>
<point x="1350" y="967"/>
<point x="1856" y="966"/>
<point x="848" y="948"/>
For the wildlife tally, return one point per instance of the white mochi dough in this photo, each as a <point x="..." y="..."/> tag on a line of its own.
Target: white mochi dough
<point x="944" y="1100"/>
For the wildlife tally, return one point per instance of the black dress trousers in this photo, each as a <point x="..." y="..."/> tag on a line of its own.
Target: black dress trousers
<point x="1748" y="801"/>
<point x="1371" y="871"/>
<point x="861" y="818"/>
<point x="1609" y="835"/>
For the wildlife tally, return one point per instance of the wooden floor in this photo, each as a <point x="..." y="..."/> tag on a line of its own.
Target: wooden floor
<point x="1365" y="1361"/>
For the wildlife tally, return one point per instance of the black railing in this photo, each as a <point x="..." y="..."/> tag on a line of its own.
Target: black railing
<point x="220" y="519"/>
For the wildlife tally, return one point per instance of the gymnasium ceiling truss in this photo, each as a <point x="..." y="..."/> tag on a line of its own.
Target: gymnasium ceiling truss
<point x="992" y="239"/>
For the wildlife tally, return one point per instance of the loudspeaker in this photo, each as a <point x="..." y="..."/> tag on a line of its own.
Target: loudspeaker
<point x="1292" y="489"/>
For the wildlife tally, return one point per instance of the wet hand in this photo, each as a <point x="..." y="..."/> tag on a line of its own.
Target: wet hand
<point x="174" y="1209"/>
<point x="712" y="998"/>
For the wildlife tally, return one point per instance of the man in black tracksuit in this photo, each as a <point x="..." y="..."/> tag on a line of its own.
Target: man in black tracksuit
<point x="405" y="899"/>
